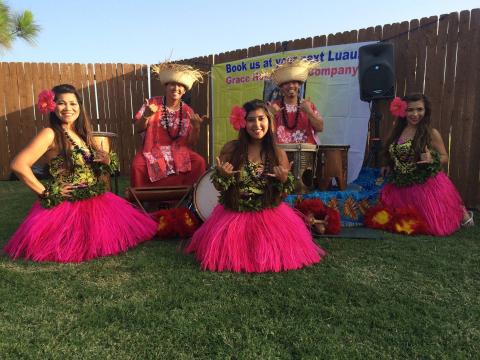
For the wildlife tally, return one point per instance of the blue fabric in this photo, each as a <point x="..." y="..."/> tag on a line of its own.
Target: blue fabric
<point x="353" y="202"/>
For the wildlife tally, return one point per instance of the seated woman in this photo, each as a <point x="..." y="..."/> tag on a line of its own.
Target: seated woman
<point x="170" y="126"/>
<point x="75" y="219"/>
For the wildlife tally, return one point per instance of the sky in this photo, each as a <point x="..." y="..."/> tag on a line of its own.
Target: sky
<point x="149" y="32"/>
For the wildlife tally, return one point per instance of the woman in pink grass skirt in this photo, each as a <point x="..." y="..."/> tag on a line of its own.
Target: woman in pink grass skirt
<point x="252" y="230"/>
<point x="75" y="219"/>
<point x="415" y="153"/>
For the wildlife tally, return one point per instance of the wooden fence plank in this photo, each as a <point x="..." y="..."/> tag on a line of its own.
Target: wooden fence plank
<point x="472" y="197"/>
<point x="13" y="109"/>
<point x="4" y="143"/>
<point x="460" y="122"/>
<point x="26" y="105"/>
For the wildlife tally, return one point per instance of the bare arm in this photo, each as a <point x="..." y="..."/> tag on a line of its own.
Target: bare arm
<point x="141" y="124"/>
<point x="195" y="120"/>
<point x="281" y="171"/>
<point x="437" y="144"/>
<point x="23" y="162"/>
<point x="313" y="116"/>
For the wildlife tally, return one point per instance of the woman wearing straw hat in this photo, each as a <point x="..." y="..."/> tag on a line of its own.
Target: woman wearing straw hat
<point x="296" y="120"/>
<point x="170" y="127"/>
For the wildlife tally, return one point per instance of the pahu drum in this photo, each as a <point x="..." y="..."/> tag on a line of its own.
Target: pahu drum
<point x="303" y="156"/>
<point x="106" y="141"/>
<point x="332" y="163"/>
<point x="205" y="196"/>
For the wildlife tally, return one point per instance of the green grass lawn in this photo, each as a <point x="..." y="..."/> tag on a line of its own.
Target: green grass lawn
<point x="399" y="297"/>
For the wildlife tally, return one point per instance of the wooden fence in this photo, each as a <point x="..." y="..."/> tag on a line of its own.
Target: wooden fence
<point x="437" y="55"/>
<point x="111" y="93"/>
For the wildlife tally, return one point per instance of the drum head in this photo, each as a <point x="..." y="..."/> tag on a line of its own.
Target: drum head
<point x="205" y="196"/>
<point x="298" y="147"/>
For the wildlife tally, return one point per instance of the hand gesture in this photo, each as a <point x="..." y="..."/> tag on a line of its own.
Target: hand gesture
<point x="273" y="107"/>
<point x="384" y="171"/>
<point x="66" y="189"/>
<point x="102" y="157"/>
<point x="197" y="120"/>
<point x="281" y="173"/>
<point x="150" y="108"/>
<point x="225" y="168"/>
<point x="306" y="105"/>
<point x="425" y="157"/>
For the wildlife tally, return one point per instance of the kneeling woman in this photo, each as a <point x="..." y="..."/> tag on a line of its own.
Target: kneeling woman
<point x="252" y="230"/>
<point x="75" y="219"/>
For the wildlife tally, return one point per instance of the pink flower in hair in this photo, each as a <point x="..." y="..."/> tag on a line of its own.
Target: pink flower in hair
<point x="398" y="107"/>
<point x="46" y="101"/>
<point x="237" y="117"/>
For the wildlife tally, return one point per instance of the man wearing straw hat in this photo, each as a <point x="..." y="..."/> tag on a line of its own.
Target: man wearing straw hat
<point x="296" y="119"/>
<point x="170" y="126"/>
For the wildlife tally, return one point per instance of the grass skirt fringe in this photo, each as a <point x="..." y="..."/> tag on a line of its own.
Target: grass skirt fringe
<point x="437" y="200"/>
<point x="268" y="240"/>
<point x="81" y="230"/>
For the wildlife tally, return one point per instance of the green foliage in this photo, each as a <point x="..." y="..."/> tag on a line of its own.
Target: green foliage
<point x="16" y="25"/>
<point x="394" y="298"/>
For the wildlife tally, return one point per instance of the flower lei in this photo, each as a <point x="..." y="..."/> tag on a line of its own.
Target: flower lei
<point x="398" y="107"/>
<point x="46" y="101"/>
<point x="166" y="120"/>
<point x="419" y="175"/>
<point x="237" y="117"/>
<point x="88" y="186"/>
<point x="285" y="116"/>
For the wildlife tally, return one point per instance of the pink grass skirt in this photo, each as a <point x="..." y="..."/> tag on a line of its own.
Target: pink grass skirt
<point x="437" y="200"/>
<point x="254" y="242"/>
<point x="81" y="230"/>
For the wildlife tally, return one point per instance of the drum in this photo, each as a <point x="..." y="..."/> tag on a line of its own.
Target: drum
<point x="332" y="163"/>
<point x="106" y="141"/>
<point x="205" y="196"/>
<point x="303" y="168"/>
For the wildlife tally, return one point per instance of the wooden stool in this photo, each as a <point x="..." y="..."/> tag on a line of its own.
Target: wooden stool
<point x="159" y="193"/>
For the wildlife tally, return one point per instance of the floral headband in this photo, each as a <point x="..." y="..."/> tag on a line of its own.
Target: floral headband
<point x="237" y="117"/>
<point x="398" y="107"/>
<point x="46" y="101"/>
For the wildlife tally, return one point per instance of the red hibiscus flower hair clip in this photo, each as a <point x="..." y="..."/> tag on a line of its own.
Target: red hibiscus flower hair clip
<point x="398" y="107"/>
<point x="46" y="101"/>
<point x="237" y="117"/>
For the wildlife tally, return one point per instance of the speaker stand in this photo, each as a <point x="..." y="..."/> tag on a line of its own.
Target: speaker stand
<point x="375" y="142"/>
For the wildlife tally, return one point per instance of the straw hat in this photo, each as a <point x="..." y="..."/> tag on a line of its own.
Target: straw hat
<point x="183" y="74"/>
<point x="292" y="70"/>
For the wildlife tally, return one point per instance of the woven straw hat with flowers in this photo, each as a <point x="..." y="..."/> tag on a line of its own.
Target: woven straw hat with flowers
<point x="183" y="74"/>
<point x="292" y="70"/>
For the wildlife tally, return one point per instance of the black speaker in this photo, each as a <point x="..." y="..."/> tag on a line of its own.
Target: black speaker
<point x="376" y="71"/>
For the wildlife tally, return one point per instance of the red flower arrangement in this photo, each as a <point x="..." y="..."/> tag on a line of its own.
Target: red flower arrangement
<point x="237" y="117"/>
<point x="177" y="222"/>
<point x="378" y="217"/>
<point x="409" y="222"/>
<point x="398" y="107"/>
<point x="324" y="220"/>
<point x="46" y="101"/>
<point x="402" y="221"/>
